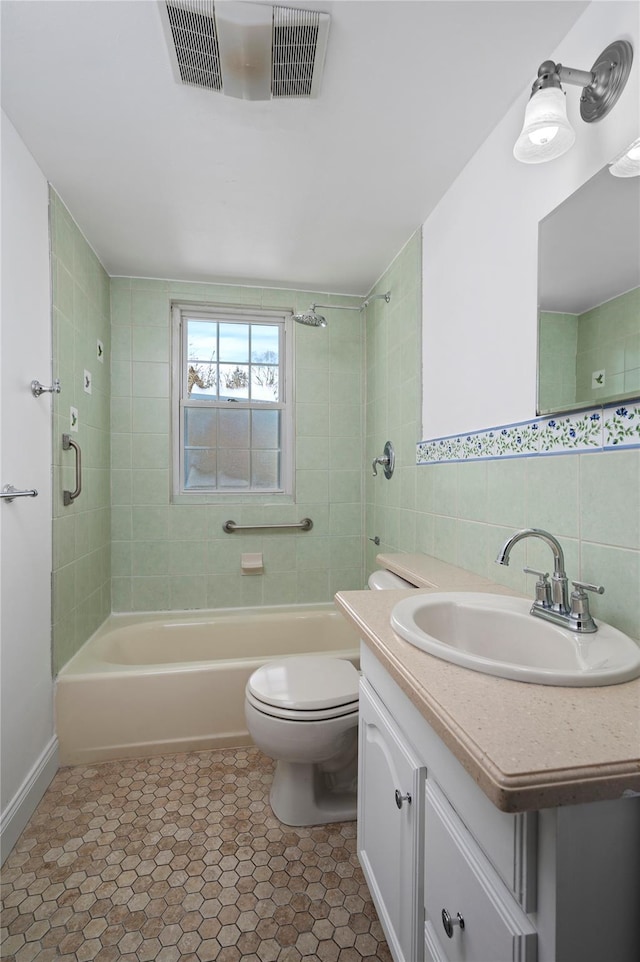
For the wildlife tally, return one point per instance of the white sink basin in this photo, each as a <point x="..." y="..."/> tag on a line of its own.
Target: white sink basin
<point x="497" y="635"/>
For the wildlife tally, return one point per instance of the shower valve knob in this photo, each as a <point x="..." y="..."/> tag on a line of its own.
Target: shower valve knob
<point x="387" y="460"/>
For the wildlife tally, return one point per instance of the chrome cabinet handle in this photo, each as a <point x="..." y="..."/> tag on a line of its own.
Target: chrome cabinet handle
<point x="68" y="497"/>
<point x="8" y="493"/>
<point x="450" y="923"/>
<point x="400" y="798"/>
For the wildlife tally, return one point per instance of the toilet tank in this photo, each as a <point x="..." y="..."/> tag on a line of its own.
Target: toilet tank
<point x="383" y="579"/>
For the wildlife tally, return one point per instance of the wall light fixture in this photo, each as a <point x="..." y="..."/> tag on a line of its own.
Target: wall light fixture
<point x="627" y="164"/>
<point x="547" y="133"/>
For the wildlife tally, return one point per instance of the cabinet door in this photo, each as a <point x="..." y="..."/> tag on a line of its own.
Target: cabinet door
<point x="483" y="921"/>
<point x="390" y="818"/>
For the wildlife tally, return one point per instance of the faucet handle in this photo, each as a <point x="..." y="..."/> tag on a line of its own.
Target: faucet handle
<point x="580" y="615"/>
<point x="543" y="588"/>
<point x="599" y="589"/>
<point x="543" y="575"/>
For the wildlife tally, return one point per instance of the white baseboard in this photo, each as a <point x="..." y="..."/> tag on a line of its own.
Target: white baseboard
<point x="24" y="803"/>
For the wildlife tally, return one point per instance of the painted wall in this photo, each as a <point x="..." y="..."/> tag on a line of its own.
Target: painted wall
<point x="81" y="531"/>
<point x="174" y="556"/>
<point x="480" y="246"/>
<point x="29" y="746"/>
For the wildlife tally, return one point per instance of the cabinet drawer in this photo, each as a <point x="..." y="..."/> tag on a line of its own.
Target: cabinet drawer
<point x="460" y="880"/>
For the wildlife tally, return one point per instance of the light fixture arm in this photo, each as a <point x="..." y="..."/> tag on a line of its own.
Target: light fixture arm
<point x="601" y="86"/>
<point x="581" y="78"/>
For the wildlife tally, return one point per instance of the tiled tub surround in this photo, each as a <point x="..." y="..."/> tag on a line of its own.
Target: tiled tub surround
<point x="175" y="555"/>
<point x="81" y="343"/>
<point x="527" y="746"/>
<point x="146" y="685"/>
<point x="181" y="858"/>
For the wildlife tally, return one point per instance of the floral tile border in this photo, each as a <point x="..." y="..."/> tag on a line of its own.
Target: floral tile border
<point x="596" y="429"/>
<point x="622" y="426"/>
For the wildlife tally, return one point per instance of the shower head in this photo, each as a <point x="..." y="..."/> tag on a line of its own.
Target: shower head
<point x="310" y="318"/>
<point x="313" y="319"/>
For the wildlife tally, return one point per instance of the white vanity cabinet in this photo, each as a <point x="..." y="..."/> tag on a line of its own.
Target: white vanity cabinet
<point x="390" y="815"/>
<point x="454" y="879"/>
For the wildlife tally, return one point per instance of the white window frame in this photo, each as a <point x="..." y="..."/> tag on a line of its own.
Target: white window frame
<point x="179" y="401"/>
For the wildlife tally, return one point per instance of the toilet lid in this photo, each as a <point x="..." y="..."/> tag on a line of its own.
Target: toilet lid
<point x="305" y="683"/>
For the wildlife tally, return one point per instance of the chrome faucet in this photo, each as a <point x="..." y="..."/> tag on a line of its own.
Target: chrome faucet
<point x="552" y="600"/>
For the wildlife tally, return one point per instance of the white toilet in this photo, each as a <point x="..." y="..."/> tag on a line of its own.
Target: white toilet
<point x="303" y="712"/>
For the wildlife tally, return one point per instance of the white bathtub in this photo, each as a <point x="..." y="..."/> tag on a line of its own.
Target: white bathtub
<point x="174" y="681"/>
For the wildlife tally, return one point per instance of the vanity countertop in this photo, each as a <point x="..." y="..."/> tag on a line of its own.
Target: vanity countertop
<point x="527" y="746"/>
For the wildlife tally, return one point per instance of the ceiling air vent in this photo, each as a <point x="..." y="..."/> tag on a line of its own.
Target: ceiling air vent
<point x="195" y="44"/>
<point x="298" y="48"/>
<point x="252" y="51"/>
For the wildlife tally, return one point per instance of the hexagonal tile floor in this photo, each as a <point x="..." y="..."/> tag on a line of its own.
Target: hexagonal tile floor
<point x="181" y="858"/>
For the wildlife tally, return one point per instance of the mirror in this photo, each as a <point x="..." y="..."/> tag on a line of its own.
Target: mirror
<point x="589" y="297"/>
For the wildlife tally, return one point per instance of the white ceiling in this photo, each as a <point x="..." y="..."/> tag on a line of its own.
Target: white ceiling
<point x="172" y="181"/>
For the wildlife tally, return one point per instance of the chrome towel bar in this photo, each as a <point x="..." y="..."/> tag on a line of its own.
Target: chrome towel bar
<point x="9" y="493"/>
<point x="230" y="526"/>
<point x="68" y="497"/>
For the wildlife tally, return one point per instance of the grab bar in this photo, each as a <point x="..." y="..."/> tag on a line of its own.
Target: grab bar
<point x="9" y="493"/>
<point x="68" y="497"/>
<point x="230" y="526"/>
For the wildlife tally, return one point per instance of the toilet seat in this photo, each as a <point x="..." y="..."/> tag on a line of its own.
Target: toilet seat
<point x="302" y="715"/>
<point x="305" y="689"/>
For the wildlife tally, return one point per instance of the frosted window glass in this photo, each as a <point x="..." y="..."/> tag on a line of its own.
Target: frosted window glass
<point x="201" y="427"/>
<point x="265" y="429"/>
<point x="233" y="469"/>
<point x="199" y="469"/>
<point x="233" y="429"/>
<point x="265" y="469"/>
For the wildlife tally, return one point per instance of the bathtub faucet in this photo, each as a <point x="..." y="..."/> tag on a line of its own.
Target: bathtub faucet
<point x="552" y="600"/>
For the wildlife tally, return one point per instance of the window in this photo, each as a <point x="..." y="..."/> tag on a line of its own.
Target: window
<point x="232" y="404"/>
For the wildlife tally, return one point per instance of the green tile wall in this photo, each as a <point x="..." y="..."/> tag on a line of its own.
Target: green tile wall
<point x="557" y="350"/>
<point x="609" y="340"/>
<point x="358" y="385"/>
<point x="571" y="347"/>
<point x="173" y="556"/>
<point x="462" y="512"/>
<point x="81" y="532"/>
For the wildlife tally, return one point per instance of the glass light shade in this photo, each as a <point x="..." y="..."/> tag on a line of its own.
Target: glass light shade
<point x="546" y="132"/>
<point x="244" y="40"/>
<point x="627" y="164"/>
